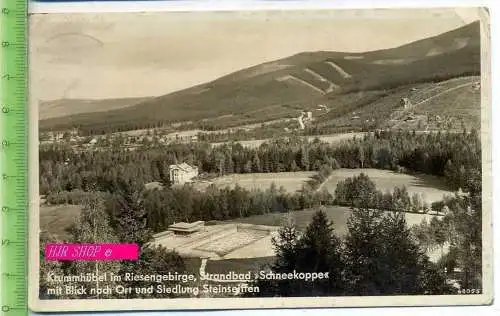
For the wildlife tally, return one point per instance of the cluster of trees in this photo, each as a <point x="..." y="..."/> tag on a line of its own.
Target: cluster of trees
<point x="431" y="234"/>
<point x="460" y="229"/>
<point x="168" y="205"/>
<point x="377" y="257"/>
<point x="361" y="189"/>
<point x="455" y="156"/>
<point x="164" y="207"/>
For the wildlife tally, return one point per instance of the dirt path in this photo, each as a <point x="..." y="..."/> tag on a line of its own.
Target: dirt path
<point x="323" y="183"/>
<point x="445" y="91"/>
<point x="433" y="97"/>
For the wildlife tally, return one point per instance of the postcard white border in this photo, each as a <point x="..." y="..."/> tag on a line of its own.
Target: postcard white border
<point x="231" y="5"/>
<point x="242" y="303"/>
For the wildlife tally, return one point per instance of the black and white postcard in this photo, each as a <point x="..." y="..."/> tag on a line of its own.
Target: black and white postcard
<point x="260" y="159"/>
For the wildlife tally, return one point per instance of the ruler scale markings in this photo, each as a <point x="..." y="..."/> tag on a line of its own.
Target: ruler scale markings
<point x="14" y="163"/>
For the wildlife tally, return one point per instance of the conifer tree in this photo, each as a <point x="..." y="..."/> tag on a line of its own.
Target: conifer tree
<point x="316" y="250"/>
<point x="304" y="158"/>
<point x="285" y="247"/>
<point x="131" y="219"/>
<point x="256" y="167"/>
<point x="401" y="257"/>
<point x="285" y="244"/>
<point x="361" y="155"/>
<point x="363" y="251"/>
<point x="93" y="227"/>
<point x="382" y="257"/>
<point x="319" y="250"/>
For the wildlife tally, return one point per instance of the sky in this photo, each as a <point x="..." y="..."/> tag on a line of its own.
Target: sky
<point x="119" y="55"/>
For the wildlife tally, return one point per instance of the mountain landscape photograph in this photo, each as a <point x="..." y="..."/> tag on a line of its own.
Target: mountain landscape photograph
<point x="262" y="154"/>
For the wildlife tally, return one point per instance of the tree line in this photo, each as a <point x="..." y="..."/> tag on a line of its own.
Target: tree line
<point x="455" y="156"/>
<point x="167" y="205"/>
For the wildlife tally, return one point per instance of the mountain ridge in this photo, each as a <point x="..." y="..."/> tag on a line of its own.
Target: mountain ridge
<point x="279" y="88"/>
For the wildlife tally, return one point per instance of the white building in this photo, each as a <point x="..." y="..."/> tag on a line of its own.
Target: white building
<point x="406" y="103"/>
<point x="186" y="228"/>
<point x="182" y="173"/>
<point x="301" y="122"/>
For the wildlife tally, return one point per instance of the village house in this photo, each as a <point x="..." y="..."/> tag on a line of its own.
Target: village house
<point x="182" y="173"/>
<point x="406" y="103"/>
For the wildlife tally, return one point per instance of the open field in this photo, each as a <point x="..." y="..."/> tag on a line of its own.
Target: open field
<point x="290" y="181"/>
<point x="431" y="187"/>
<point x="337" y="214"/>
<point x="56" y="219"/>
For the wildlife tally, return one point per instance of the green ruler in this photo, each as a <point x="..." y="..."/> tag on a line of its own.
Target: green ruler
<point x="14" y="158"/>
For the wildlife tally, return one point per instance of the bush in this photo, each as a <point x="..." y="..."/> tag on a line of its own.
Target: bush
<point x="355" y="191"/>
